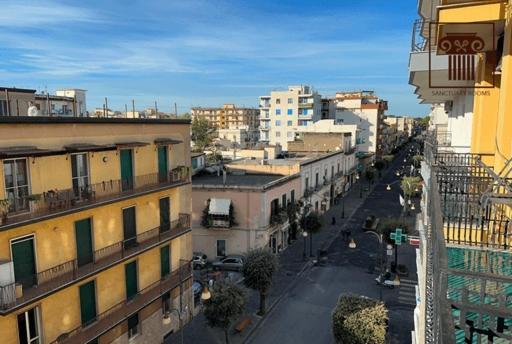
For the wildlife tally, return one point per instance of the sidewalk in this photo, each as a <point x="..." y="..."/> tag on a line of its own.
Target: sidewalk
<point x="292" y="265"/>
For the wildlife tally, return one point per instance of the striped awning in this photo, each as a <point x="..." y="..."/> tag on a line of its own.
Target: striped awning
<point x="219" y="206"/>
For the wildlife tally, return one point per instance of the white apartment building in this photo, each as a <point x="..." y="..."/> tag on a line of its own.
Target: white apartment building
<point x="366" y="110"/>
<point x="283" y="112"/>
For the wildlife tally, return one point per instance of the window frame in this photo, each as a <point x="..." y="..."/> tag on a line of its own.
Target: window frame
<point x="15" y="188"/>
<point x="87" y="177"/>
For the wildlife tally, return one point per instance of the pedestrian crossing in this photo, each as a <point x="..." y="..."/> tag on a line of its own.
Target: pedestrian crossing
<point x="407" y="292"/>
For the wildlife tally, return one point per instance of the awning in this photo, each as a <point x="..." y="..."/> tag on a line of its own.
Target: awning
<point x="26" y="151"/>
<point x="130" y="144"/>
<point x="219" y="206"/>
<point x="88" y="147"/>
<point x="167" y="141"/>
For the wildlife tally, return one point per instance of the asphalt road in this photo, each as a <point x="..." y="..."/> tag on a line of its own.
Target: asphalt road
<point x="304" y="313"/>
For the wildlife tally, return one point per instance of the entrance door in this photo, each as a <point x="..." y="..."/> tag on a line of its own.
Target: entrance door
<point x="165" y="216"/>
<point x="126" y="169"/>
<point x="83" y="235"/>
<point x="165" y="261"/>
<point x="24" y="261"/>
<point x="88" y="303"/>
<point x="163" y="168"/>
<point x="129" y="227"/>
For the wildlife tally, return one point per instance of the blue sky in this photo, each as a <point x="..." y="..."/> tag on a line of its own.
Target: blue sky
<point x="205" y="53"/>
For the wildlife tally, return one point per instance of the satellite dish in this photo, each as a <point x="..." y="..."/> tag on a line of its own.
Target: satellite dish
<point x="32" y="111"/>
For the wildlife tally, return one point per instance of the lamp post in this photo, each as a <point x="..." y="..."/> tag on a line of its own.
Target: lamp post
<point x="167" y="320"/>
<point x="342" y="206"/>
<point x="360" y="187"/>
<point x="304" y="235"/>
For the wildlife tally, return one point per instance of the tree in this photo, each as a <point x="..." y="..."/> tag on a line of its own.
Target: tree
<point x="370" y="175"/>
<point x="202" y="133"/>
<point x="379" y="165"/>
<point x="259" y="267"/>
<point x="311" y="223"/>
<point x="359" y="320"/>
<point x="388" y="158"/>
<point x="291" y="211"/>
<point x="226" y="304"/>
<point x="416" y="160"/>
<point x="410" y="185"/>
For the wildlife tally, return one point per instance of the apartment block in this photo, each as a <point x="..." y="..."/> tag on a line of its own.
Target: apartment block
<point x="237" y="211"/>
<point x="95" y="238"/>
<point x="283" y="112"/>
<point x="366" y="110"/>
<point x="464" y="259"/>
<point x="239" y="124"/>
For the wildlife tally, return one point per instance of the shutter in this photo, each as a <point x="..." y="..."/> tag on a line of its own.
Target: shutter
<point x="87" y="303"/>
<point x="24" y="261"/>
<point x="165" y="221"/>
<point x="130" y="270"/>
<point x="162" y="164"/>
<point x="126" y="169"/>
<point x="83" y="242"/>
<point x="165" y="266"/>
<point x="129" y="228"/>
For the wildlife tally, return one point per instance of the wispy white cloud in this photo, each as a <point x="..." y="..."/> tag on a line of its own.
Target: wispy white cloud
<point x="31" y="14"/>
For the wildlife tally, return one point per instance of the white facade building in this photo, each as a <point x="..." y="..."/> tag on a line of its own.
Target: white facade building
<point x="283" y="112"/>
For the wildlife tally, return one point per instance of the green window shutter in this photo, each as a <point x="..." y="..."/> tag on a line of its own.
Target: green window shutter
<point x="129" y="227"/>
<point x="126" y="169"/>
<point x="87" y="303"/>
<point x="165" y="217"/>
<point x="130" y="270"/>
<point x="24" y="261"/>
<point x="163" y="169"/>
<point x="165" y="263"/>
<point x="83" y="237"/>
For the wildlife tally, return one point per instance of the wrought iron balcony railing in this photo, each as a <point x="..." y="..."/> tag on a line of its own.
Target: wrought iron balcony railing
<point x="53" y="202"/>
<point x="123" y="310"/>
<point x="15" y="295"/>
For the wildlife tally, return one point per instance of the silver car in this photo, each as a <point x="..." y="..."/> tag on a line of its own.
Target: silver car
<point x="232" y="262"/>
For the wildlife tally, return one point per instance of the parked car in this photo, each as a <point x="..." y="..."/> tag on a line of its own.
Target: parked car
<point x="232" y="262"/>
<point x="199" y="260"/>
<point x="371" y="223"/>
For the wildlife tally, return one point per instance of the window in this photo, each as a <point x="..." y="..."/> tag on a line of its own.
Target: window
<point x="283" y="201"/>
<point x="316" y="206"/>
<point x="332" y="171"/>
<point x="290" y="112"/>
<point x="3" y="108"/>
<point x="292" y="196"/>
<point x="278" y="123"/>
<point x="79" y="173"/>
<point x="166" y="302"/>
<point x="278" y="112"/>
<point x="29" y="327"/>
<point x="290" y="123"/>
<point x="165" y="261"/>
<point x="130" y="273"/>
<point x="290" y="100"/>
<point x="133" y="326"/>
<point x="278" y="100"/>
<point x="278" y="134"/>
<point x="221" y="248"/>
<point x="338" y="167"/>
<point x="274" y="207"/>
<point x="316" y="179"/>
<point x="16" y="183"/>
<point x="289" y="134"/>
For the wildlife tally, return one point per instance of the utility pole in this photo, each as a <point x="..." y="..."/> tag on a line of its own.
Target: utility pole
<point x="156" y="109"/>
<point x="133" y="107"/>
<point x="106" y="105"/>
<point x="126" y="111"/>
<point x="175" y="110"/>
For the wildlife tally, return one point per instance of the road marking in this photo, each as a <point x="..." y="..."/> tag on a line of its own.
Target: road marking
<point x="407" y="293"/>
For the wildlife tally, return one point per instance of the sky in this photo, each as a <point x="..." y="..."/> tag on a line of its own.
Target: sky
<point x="206" y="53"/>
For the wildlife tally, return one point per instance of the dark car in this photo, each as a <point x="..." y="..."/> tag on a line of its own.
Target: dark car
<point x="232" y="262"/>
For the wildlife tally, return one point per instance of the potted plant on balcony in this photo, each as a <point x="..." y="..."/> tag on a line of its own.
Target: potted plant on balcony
<point x="33" y="200"/>
<point x="4" y="210"/>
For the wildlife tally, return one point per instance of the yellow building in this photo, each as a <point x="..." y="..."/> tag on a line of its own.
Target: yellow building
<point x="461" y="62"/>
<point x="95" y="241"/>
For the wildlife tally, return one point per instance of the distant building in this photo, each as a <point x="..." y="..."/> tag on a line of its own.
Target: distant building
<point x="283" y="112"/>
<point x="366" y="110"/>
<point x="198" y="162"/>
<point x="237" y="124"/>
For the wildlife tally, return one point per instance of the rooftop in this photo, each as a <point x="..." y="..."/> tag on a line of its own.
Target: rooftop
<point x="298" y="158"/>
<point x="87" y="120"/>
<point x="240" y="180"/>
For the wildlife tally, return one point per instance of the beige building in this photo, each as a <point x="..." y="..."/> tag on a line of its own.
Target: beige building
<point x="283" y="112"/>
<point x="237" y="212"/>
<point x="366" y="110"/>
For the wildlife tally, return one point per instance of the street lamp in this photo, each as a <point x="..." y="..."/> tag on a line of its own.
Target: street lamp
<point x="342" y="206"/>
<point x="352" y="244"/>
<point x="167" y="320"/>
<point x="360" y="187"/>
<point x="413" y="207"/>
<point x="304" y="235"/>
<point x="206" y="295"/>
<point x="388" y="187"/>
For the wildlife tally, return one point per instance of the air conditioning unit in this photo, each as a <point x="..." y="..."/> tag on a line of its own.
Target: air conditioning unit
<point x="448" y="106"/>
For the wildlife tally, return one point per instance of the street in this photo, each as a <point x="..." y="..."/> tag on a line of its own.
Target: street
<point x="303" y="315"/>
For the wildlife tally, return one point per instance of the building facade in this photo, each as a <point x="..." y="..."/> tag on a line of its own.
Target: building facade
<point x="283" y="112"/>
<point x="95" y="239"/>
<point x="366" y="110"/>
<point x="237" y="212"/>
<point x="464" y="258"/>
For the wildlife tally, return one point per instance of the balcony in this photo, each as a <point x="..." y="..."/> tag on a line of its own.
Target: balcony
<point x="468" y="244"/>
<point x="13" y="296"/>
<point x="350" y="151"/>
<point x="60" y="202"/>
<point x="120" y="312"/>
<point x="305" y="105"/>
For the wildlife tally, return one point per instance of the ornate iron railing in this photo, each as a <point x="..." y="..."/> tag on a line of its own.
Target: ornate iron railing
<point x="58" y="201"/>
<point x="47" y="281"/>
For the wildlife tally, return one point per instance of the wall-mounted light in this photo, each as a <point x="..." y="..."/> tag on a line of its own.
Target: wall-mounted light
<point x="105" y="159"/>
